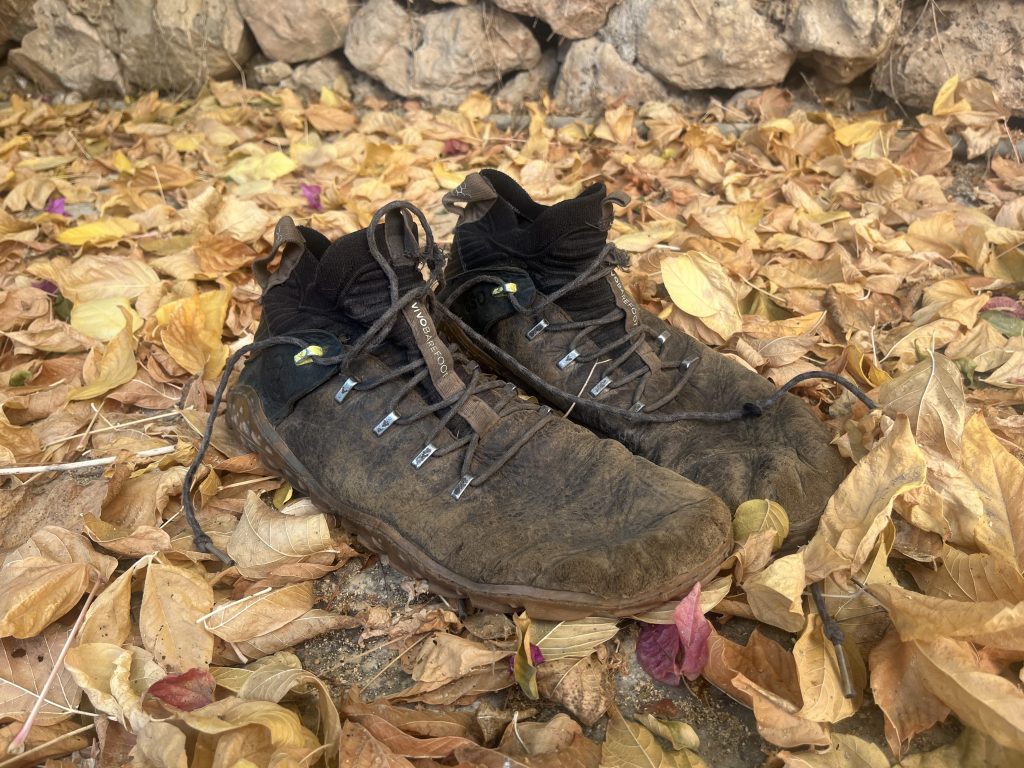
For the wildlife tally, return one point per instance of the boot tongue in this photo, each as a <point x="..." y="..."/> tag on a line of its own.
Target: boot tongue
<point x="351" y="278"/>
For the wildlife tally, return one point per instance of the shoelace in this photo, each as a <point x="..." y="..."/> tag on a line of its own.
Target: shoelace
<point x="629" y="343"/>
<point x="417" y="372"/>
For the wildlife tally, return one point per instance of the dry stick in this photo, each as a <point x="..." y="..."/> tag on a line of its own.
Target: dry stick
<point x="17" y="746"/>
<point x="162" y="451"/>
<point x="834" y="633"/>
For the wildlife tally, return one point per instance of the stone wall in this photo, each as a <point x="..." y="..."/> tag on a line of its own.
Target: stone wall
<point x="586" y="53"/>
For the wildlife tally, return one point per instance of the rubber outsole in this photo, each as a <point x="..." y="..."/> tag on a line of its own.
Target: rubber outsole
<point x="246" y="416"/>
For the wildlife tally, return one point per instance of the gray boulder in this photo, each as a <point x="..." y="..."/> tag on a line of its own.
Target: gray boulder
<point x="96" y="46"/>
<point x="66" y="53"/>
<point x="842" y="39"/>
<point x="297" y="31"/>
<point x="701" y="44"/>
<point x="569" y="18"/>
<point x="15" y="19"/>
<point x="440" y="56"/>
<point x="594" y="76"/>
<point x="969" y="39"/>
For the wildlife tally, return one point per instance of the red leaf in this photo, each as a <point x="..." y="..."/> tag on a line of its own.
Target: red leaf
<point x="187" y="691"/>
<point x="658" y="650"/>
<point x="694" y="631"/>
<point x="454" y="147"/>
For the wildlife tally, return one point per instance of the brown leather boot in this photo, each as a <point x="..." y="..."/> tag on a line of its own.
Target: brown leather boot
<point x="539" y="302"/>
<point x="447" y="471"/>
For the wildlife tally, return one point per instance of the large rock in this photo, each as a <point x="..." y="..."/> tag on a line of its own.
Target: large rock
<point x="970" y="39"/>
<point x="568" y="18"/>
<point x="65" y="52"/>
<point x="297" y="31"/>
<point x="531" y="84"/>
<point x="15" y="19"/>
<point x="701" y="43"/>
<point x="594" y="76"/>
<point x="844" y="38"/>
<point x="441" y="56"/>
<point x="99" y="46"/>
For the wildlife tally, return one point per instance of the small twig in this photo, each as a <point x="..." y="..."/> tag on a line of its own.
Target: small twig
<point x="162" y="451"/>
<point x="17" y="745"/>
<point x="834" y="633"/>
<point x="114" y="427"/>
<point x="391" y="663"/>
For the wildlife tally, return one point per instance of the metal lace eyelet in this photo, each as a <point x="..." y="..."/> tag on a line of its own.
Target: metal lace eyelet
<point x="636" y="408"/>
<point x="422" y="456"/>
<point x="347" y="387"/>
<point x="688" y="362"/>
<point x="461" y="486"/>
<point x="534" y="332"/>
<point x="566" y="361"/>
<point x="544" y="410"/>
<point x="386" y="422"/>
<point x="601" y="386"/>
<point x="662" y="338"/>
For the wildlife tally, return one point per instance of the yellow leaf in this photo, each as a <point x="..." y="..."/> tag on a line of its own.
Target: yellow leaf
<point x="859" y="132"/>
<point x="981" y="699"/>
<point x="103" y="318"/>
<point x="123" y="164"/>
<point x="99" y="232"/>
<point x="447" y="179"/>
<point x="269" y="167"/>
<point x="103" y="276"/>
<point x="775" y="594"/>
<point x="630" y="745"/>
<point x="700" y="287"/>
<point x="645" y="240"/>
<point x="476" y="106"/>
<point x="190" y="331"/>
<point x="931" y="394"/>
<point x="817" y="671"/>
<point x="173" y="599"/>
<point x="760" y="515"/>
<point x="862" y="506"/>
<point x="945" y="100"/>
<point x="242" y="219"/>
<point x="114" y="366"/>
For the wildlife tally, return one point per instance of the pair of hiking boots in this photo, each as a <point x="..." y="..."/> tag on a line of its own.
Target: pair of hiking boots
<point x="354" y="392"/>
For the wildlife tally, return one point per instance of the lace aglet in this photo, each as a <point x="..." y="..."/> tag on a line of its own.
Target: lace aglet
<point x="834" y="632"/>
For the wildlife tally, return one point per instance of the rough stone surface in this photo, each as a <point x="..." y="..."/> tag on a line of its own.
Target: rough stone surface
<point x="297" y="31"/>
<point x="440" y="56"/>
<point x="65" y="52"/>
<point x="594" y="76"/>
<point x="531" y="84"/>
<point x="569" y="18"/>
<point x="328" y="72"/>
<point x="969" y="39"/>
<point x="99" y="46"/>
<point x="15" y="19"/>
<point x="259" y="71"/>
<point x="843" y="37"/>
<point x="701" y="43"/>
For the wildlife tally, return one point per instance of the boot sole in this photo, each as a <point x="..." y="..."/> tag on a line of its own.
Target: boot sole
<point x="247" y="417"/>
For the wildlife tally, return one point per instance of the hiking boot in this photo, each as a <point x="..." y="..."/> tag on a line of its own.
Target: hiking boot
<point x="533" y="293"/>
<point x="450" y="472"/>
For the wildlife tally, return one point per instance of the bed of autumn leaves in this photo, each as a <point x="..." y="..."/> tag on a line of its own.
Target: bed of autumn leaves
<point x="803" y="240"/>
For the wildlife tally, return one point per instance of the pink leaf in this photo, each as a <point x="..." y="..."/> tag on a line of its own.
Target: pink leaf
<point x="1005" y="304"/>
<point x="312" y="194"/>
<point x="188" y="691"/>
<point x="658" y="650"/>
<point x="694" y="631"/>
